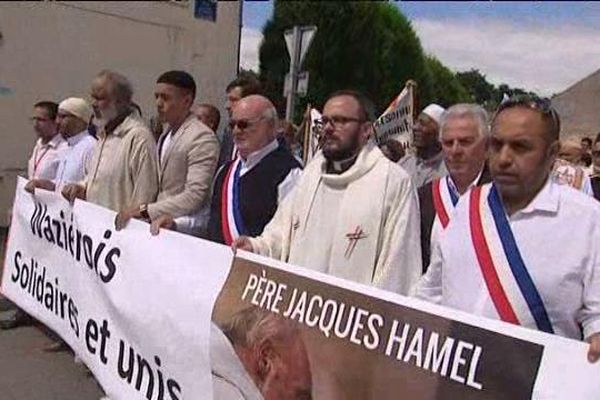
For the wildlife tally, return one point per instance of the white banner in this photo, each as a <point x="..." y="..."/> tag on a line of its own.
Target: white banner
<point x="134" y="307"/>
<point x="139" y="310"/>
<point x="396" y="122"/>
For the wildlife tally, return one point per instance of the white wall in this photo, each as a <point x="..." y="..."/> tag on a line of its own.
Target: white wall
<point x="52" y="50"/>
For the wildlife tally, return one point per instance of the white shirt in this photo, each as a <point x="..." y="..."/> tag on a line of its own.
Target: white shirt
<point x="558" y="235"/>
<point x="166" y="143"/>
<point x="436" y="229"/>
<point x="45" y="158"/>
<point x="75" y="159"/>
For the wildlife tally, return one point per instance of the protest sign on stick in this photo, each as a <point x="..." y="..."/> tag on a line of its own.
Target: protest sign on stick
<point x="396" y="122"/>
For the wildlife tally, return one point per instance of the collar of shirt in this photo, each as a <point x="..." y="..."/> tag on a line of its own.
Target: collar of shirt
<point x="474" y="183"/>
<point x="73" y="140"/>
<point x="52" y="143"/>
<point x="112" y="127"/>
<point x="253" y="159"/>
<point x="545" y="201"/>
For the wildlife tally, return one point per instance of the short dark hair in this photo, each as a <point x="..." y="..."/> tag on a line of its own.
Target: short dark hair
<point x="213" y="113"/>
<point x="367" y="109"/>
<point x="597" y="138"/>
<point x="587" y="139"/>
<point x="248" y="84"/>
<point x="50" y="107"/>
<point x="541" y="105"/>
<point x="180" y="79"/>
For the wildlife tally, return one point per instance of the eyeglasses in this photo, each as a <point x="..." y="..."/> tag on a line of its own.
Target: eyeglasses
<point x="543" y="105"/>
<point x="244" y="123"/>
<point x="337" y="121"/>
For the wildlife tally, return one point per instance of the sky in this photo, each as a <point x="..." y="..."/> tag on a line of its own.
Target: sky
<point x="539" y="46"/>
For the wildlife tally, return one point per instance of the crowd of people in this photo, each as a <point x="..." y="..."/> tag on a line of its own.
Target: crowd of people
<point x="494" y="215"/>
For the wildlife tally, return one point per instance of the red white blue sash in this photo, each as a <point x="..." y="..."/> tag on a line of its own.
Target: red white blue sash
<point x="232" y="224"/>
<point x="444" y="199"/>
<point x="511" y="288"/>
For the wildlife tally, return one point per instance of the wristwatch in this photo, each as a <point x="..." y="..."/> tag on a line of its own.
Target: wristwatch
<point x="144" y="211"/>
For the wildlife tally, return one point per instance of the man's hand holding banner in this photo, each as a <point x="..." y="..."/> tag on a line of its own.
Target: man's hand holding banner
<point x="174" y="317"/>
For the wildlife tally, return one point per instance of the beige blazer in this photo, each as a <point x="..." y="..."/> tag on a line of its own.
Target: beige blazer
<point x="185" y="173"/>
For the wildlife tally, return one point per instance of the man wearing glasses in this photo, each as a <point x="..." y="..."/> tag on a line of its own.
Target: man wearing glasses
<point x="72" y="120"/>
<point x="503" y="254"/>
<point x="354" y="213"/>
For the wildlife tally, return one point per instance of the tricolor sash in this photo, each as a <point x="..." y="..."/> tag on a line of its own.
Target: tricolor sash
<point x="444" y="199"/>
<point x="232" y="223"/>
<point x="511" y="288"/>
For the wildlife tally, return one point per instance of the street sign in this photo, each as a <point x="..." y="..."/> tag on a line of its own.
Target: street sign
<point x="297" y="40"/>
<point x="301" y="84"/>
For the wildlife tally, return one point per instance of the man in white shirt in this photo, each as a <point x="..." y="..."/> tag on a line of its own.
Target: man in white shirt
<point x="72" y="120"/>
<point x="504" y="253"/>
<point x="427" y="163"/>
<point x="353" y="213"/>
<point x="44" y="160"/>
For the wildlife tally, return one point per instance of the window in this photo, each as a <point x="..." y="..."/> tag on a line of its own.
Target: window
<point x="206" y="9"/>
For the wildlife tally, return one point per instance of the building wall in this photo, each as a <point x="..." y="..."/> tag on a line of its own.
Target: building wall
<point x="52" y="50"/>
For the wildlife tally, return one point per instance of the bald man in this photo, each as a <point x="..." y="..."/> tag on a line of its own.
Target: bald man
<point x="248" y="189"/>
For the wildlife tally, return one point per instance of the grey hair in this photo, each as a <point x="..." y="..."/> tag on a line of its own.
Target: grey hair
<point x="121" y="87"/>
<point x="270" y="114"/>
<point x="463" y="110"/>
<point x="253" y="325"/>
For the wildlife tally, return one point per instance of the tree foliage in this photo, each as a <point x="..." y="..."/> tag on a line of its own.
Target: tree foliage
<point x="365" y="46"/>
<point x="446" y="89"/>
<point x="485" y="93"/>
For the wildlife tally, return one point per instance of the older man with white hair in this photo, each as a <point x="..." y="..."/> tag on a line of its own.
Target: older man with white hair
<point x="72" y="121"/>
<point x="428" y="162"/>
<point x="464" y="135"/>
<point x="258" y="355"/>
<point x="247" y="190"/>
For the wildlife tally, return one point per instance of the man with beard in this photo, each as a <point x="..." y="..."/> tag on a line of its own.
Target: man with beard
<point x="353" y="213"/>
<point x="507" y="252"/>
<point x="123" y="169"/>
<point x="428" y="162"/>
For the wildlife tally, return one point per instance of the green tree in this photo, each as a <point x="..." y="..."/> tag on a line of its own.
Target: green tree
<point x="481" y="91"/>
<point x="365" y="46"/>
<point x="446" y="89"/>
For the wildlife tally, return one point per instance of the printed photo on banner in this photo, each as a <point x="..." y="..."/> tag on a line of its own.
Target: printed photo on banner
<point x="276" y="333"/>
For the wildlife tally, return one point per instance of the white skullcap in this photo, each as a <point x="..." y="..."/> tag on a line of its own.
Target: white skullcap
<point x="434" y="111"/>
<point x="78" y="107"/>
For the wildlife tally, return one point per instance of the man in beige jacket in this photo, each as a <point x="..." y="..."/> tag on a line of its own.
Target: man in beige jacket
<point x="123" y="169"/>
<point x="187" y="152"/>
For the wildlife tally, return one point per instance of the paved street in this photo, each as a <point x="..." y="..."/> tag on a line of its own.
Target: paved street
<point x="29" y="373"/>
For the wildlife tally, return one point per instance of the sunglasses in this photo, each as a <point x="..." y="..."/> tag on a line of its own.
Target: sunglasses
<point x="542" y="105"/>
<point x="243" y="123"/>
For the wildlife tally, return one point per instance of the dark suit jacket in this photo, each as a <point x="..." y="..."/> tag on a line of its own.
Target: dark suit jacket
<point x="596" y="187"/>
<point x="428" y="215"/>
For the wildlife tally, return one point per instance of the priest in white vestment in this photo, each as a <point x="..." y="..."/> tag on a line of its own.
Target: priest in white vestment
<point x="353" y="213"/>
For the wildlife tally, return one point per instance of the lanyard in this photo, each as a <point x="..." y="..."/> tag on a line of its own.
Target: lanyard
<point x="37" y="160"/>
